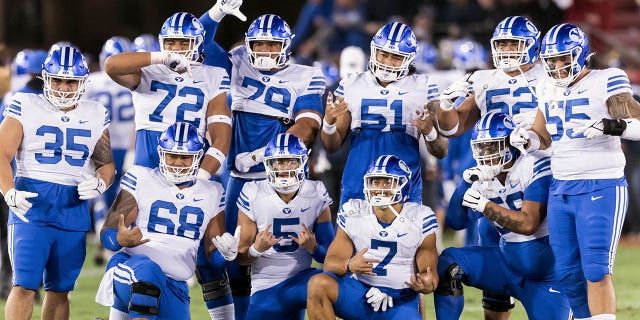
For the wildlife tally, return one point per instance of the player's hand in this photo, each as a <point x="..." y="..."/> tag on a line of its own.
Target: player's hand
<point x="519" y="138"/>
<point x="378" y="299"/>
<point x="335" y="109"/>
<point x="360" y="264"/>
<point x="306" y="239"/>
<point x="589" y="128"/>
<point x="479" y="173"/>
<point x="424" y="282"/>
<point x="460" y="88"/>
<point x="246" y="160"/>
<point x="475" y="200"/>
<point x="227" y="244"/>
<point x="129" y="237"/>
<point x="422" y="121"/>
<point x="18" y="203"/>
<point x="525" y="119"/>
<point x="91" y="188"/>
<point x="178" y="63"/>
<point x="265" y="240"/>
<point x="225" y="7"/>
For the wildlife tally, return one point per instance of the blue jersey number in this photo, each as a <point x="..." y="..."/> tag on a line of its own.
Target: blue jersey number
<point x="58" y="143"/>
<point x="278" y="225"/>
<point x="393" y="249"/>
<point x="510" y="200"/>
<point x="504" y="107"/>
<point x="119" y="105"/>
<point x="568" y="106"/>
<point x="187" y="228"/>
<point x="378" y="114"/>
<point x="277" y="98"/>
<point x="171" y="90"/>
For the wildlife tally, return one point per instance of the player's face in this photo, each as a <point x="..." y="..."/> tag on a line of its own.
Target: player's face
<point x="382" y="185"/>
<point x="285" y="166"/>
<point x="488" y="149"/>
<point x="60" y="86"/>
<point x="176" y="44"/>
<point x="266" y="46"/>
<point x="389" y="59"/>
<point x="510" y="45"/>
<point x="178" y="162"/>
<point x="559" y="65"/>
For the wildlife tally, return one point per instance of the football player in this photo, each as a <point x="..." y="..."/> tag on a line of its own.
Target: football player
<point x="63" y="157"/>
<point x="286" y="222"/>
<point x="156" y="225"/>
<point x="582" y="114"/>
<point x="269" y="96"/>
<point x="510" y="190"/>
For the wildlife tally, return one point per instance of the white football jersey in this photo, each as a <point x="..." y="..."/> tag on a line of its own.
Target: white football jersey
<point x="117" y="99"/>
<point x="495" y="90"/>
<point x="273" y="94"/>
<point x="525" y="171"/>
<point x="175" y="220"/>
<point x="260" y="202"/>
<point x="395" y="245"/>
<point x="164" y="97"/>
<point x="574" y="157"/>
<point x="389" y="108"/>
<point x="56" y="146"/>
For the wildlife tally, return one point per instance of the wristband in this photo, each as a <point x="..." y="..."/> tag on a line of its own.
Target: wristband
<point x="253" y="252"/>
<point x="432" y="135"/>
<point x="345" y="267"/>
<point x="450" y="132"/>
<point x="109" y="239"/>
<point x="203" y="174"/>
<point x="216" y="154"/>
<point x="328" y="128"/>
<point x="309" y="115"/>
<point x="158" y="57"/>
<point x="632" y="131"/>
<point x="218" y="118"/>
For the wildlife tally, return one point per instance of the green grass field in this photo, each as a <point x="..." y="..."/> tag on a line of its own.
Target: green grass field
<point x="626" y="278"/>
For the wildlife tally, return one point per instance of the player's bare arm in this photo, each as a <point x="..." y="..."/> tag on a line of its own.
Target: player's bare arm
<point x="539" y="127"/>
<point x="219" y="129"/>
<point x="247" y="237"/>
<point x="426" y="280"/>
<point x="214" y="228"/>
<point x="122" y="214"/>
<point x="306" y="127"/>
<point x="340" y="250"/>
<point x="10" y="140"/>
<point x="465" y="115"/>
<point x="124" y="68"/>
<point x="623" y="106"/>
<point x="336" y="123"/>
<point x="525" y="221"/>
<point x="440" y="145"/>
<point x="102" y="158"/>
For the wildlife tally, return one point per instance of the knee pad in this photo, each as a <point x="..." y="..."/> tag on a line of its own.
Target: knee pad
<point x="497" y="302"/>
<point x="450" y="284"/>
<point x="215" y="289"/>
<point x="145" y="298"/>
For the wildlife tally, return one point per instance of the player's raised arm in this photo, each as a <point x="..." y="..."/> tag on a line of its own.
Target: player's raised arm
<point x="219" y="129"/>
<point x="336" y="123"/>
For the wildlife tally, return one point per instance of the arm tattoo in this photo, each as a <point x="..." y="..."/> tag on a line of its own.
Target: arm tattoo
<point x="623" y="106"/>
<point x="502" y="219"/>
<point x="123" y="205"/>
<point x="102" y="152"/>
<point x="438" y="147"/>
